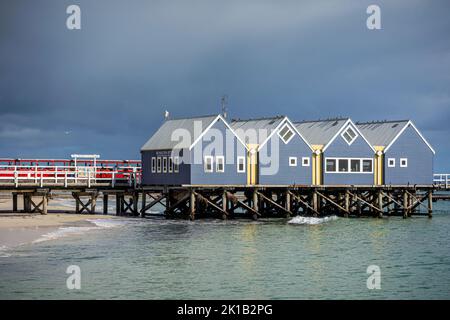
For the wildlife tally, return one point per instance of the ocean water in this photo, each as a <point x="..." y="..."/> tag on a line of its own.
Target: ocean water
<point x="299" y="258"/>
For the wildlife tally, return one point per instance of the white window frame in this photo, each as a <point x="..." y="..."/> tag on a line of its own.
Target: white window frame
<point x="349" y="165"/>
<point x="158" y="164"/>
<point x="335" y="165"/>
<point x="294" y="164"/>
<point x="170" y="164"/>
<point x="205" y="161"/>
<point x="176" y="164"/>
<point x="371" y="165"/>
<point x="164" y="164"/>
<point x="406" y="162"/>
<point x="393" y="162"/>
<point x="222" y="159"/>
<point x="290" y="129"/>
<point x="307" y="163"/>
<point x="243" y="164"/>
<point x="153" y="164"/>
<point x="354" y="131"/>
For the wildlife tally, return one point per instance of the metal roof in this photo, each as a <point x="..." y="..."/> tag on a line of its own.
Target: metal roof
<point x="320" y="132"/>
<point x="162" y="139"/>
<point x="381" y="133"/>
<point x="263" y="128"/>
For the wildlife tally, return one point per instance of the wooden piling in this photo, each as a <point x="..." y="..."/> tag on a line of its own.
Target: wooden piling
<point x="93" y="203"/>
<point x="14" y="209"/>
<point x="380" y="203"/>
<point x="288" y="201"/>
<point x="105" y="203"/>
<point x="118" y="204"/>
<point x="144" y="196"/>
<point x="315" y="203"/>
<point x="44" y="203"/>
<point x="347" y="203"/>
<point x="405" y="204"/>
<point x="430" y="204"/>
<point x="192" y="205"/>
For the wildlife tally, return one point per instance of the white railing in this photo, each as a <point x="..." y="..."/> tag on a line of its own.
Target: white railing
<point x="69" y="175"/>
<point x="442" y="180"/>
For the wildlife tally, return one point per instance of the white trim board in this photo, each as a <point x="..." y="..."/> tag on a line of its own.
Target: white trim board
<point x="343" y="127"/>
<point x="219" y="117"/>
<point x="277" y="128"/>
<point x="400" y="133"/>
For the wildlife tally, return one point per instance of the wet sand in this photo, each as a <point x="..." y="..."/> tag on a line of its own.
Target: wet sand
<point x="18" y="228"/>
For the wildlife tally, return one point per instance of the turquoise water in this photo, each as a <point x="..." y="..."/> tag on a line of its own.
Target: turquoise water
<point x="270" y="259"/>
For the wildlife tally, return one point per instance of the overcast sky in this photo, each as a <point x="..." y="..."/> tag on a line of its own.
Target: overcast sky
<point x="103" y="89"/>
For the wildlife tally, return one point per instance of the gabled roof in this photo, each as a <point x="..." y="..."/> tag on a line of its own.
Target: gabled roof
<point x="381" y="133"/>
<point x="161" y="140"/>
<point x="320" y="132"/>
<point x="387" y="132"/>
<point x="240" y="127"/>
<point x="272" y="125"/>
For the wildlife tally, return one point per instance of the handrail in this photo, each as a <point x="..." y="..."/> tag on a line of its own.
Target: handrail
<point x="442" y="180"/>
<point x="84" y="175"/>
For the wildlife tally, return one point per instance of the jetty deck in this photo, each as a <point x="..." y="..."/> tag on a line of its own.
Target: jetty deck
<point x="36" y="185"/>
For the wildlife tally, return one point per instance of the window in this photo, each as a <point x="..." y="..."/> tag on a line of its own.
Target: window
<point x="170" y="164"/>
<point x="153" y="164"/>
<point x="355" y="165"/>
<point x="305" y="161"/>
<point x="292" y="161"/>
<point x="164" y="164"/>
<point x="349" y="135"/>
<point x="391" y="162"/>
<point x="220" y="167"/>
<point x="241" y="164"/>
<point x="286" y="133"/>
<point x="367" y="165"/>
<point x="331" y="165"/>
<point x="158" y="164"/>
<point x="348" y="165"/>
<point x="176" y="164"/>
<point x="403" y="162"/>
<point x="208" y="164"/>
<point x="343" y="165"/>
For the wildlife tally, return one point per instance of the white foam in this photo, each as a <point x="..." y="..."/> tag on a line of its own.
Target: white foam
<point x="69" y="231"/>
<point x="311" y="220"/>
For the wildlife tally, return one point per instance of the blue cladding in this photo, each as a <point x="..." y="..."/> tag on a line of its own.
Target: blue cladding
<point x="340" y="149"/>
<point x="276" y="170"/>
<point x="230" y="148"/>
<point x="154" y="178"/>
<point x="420" y="160"/>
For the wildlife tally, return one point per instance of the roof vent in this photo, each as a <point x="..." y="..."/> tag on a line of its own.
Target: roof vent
<point x="395" y="125"/>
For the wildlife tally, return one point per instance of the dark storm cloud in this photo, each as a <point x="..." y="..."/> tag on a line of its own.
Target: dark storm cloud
<point x="104" y="88"/>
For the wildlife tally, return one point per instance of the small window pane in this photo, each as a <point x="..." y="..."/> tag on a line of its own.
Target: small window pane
<point x="153" y="164"/>
<point x="305" y="161"/>
<point x="164" y="164"/>
<point x="343" y="165"/>
<point x="176" y="164"/>
<point x="220" y="164"/>
<point x="170" y="164"/>
<point x="367" y="165"/>
<point x="349" y="135"/>
<point x="285" y="133"/>
<point x="241" y="164"/>
<point x="355" y="165"/>
<point x="158" y="164"/>
<point x="331" y="165"/>
<point x="208" y="164"/>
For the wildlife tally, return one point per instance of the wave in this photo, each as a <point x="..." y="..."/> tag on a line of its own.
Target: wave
<point x="61" y="232"/>
<point x="311" y="220"/>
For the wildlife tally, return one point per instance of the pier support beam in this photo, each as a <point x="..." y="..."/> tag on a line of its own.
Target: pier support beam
<point x="347" y="203"/>
<point x="105" y="203"/>
<point x="192" y="205"/>
<point x="14" y="195"/>
<point x="255" y="204"/>
<point x="430" y="204"/>
<point x="380" y="204"/>
<point x="81" y="206"/>
<point x="405" y="204"/>
<point x="315" y="201"/>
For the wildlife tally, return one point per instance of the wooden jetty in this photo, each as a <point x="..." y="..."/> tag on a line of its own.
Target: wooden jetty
<point x="35" y="188"/>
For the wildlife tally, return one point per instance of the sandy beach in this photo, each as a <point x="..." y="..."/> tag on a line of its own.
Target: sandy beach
<point x="18" y="228"/>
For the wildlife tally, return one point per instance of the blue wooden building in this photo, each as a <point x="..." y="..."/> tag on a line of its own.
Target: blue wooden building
<point x="403" y="156"/>
<point x="277" y="153"/>
<point x="341" y="153"/>
<point x="194" y="151"/>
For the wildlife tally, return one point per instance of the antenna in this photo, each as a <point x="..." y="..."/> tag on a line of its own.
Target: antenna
<point x="224" y="102"/>
<point x="166" y="115"/>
